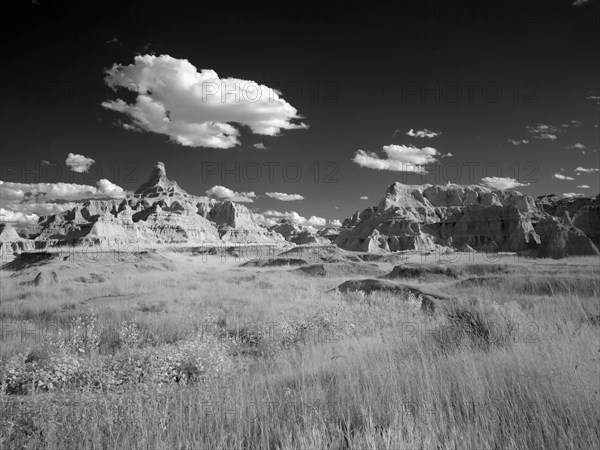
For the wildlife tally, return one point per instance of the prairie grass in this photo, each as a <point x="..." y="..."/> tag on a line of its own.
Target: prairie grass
<point x="506" y="364"/>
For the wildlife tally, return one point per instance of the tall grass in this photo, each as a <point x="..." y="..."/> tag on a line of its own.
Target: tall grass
<point x="502" y="366"/>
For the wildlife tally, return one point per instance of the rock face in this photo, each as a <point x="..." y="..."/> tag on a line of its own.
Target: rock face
<point x="158" y="212"/>
<point x="11" y="242"/>
<point x="580" y="212"/>
<point x="236" y="224"/>
<point x="298" y="235"/>
<point x="466" y="217"/>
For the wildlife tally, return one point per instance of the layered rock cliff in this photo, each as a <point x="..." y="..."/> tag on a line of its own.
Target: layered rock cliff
<point x="427" y="217"/>
<point x="158" y="212"/>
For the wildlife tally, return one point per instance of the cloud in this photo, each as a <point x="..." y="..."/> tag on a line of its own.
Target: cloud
<point x="114" y="41"/>
<point x="42" y="192"/>
<point x="296" y="218"/>
<point x="518" y="141"/>
<point x="9" y="216"/>
<point x="425" y="133"/>
<point x="196" y="109"/>
<point x="78" y="163"/>
<point x="572" y="194"/>
<point x="581" y="170"/>
<point x="24" y="202"/>
<point x="583" y="186"/>
<point x="284" y="197"/>
<point x="398" y="158"/>
<point x="560" y="176"/>
<point x="577" y="146"/>
<point x="364" y="197"/>
<point x="543" y="131"/>
<point x="580" y="2"/>
<point x="335" y="223"/>
<point x="264" y="221"/>
<point x="224" y="193"/>
<point x="502" y="183"/>
<point x="260" y="146"/>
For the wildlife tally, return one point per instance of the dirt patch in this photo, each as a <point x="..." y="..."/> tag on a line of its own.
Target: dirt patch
<point x="275" y="262"/>
<point x="423" y="271"/>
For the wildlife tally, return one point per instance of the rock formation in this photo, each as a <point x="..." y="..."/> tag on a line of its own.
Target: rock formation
<point x="580" y="212"/>
<point x="158" y="212"/>
<point x="298" y="235"/>
<point x="468" y="217"/>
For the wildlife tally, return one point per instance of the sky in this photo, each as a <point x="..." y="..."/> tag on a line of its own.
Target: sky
<point x="297" y="107"/>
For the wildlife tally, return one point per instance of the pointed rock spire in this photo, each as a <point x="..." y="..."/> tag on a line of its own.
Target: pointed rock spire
<point x="158" y="184"/>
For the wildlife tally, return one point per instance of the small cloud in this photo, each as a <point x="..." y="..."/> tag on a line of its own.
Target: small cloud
<point x="583" y="186"/>
<point x="115" y="41"/>
<point x="224" y="193"/>
<point x="572" y="194"/>
<point x="580" y="2"/>
<point x="502" y="183"/>
<point x="518" y="141"/>
<point x="543" y="131"/>
<point x="284" y="197"/>
<point x="577" y="146"/>
<point x="399" y="158"/>
<point x="425" y="133"/>
<point x="364" y="197"/>
<point x="260" y="146"/>
<point x="46" y="163"/>
<point x="79" y="163"/>
<point x="335" y="223"/>
<point x="581" y="170"/>
<point x="336" y="207"/>
<point x="547" y="136"/>
<point x="560" y="176"/>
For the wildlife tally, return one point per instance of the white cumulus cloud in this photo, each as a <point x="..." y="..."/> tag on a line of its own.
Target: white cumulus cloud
<point x="335" y="223"/>
<point x="502" y="183"/>
<point x="364" y="197"/>
<point x="43" y="192"/>
<point x="196" y="109"/>
<point x="583" y="186"/>
<point x="296" y="218"/>
<point x="224" y="193"/>
<point x="425" y="133"/>
<point x="284" y="197"/>
<point x="518" y="141"/>
<point x="586" y="170"/>
<point x="400" y="158"/>
<point x="78" y="163"/>
<point x="10" y="216"/>
<point x="560" y="176"/>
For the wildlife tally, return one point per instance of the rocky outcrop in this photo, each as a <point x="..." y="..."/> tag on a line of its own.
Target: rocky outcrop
<point x="298" y="235"/>
<point x="236" y="224"/>
<point x="158" y="212"/>
<point x="11" y="243"/>
<point x="580" y="212"/>
<point x="464" y="217"/>
<point x="561" y="239"/>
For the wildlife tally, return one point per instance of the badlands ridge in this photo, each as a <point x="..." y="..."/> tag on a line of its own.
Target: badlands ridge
<point x="425" y="218"/>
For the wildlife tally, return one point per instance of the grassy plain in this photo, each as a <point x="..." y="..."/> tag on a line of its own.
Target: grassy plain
<point x="179" y="350"/>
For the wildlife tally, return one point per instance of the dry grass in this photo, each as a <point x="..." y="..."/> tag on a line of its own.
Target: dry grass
<point x="512" y="363"/>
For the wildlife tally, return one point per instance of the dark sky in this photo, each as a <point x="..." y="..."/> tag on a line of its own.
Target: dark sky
<point x="478" y="72"/>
